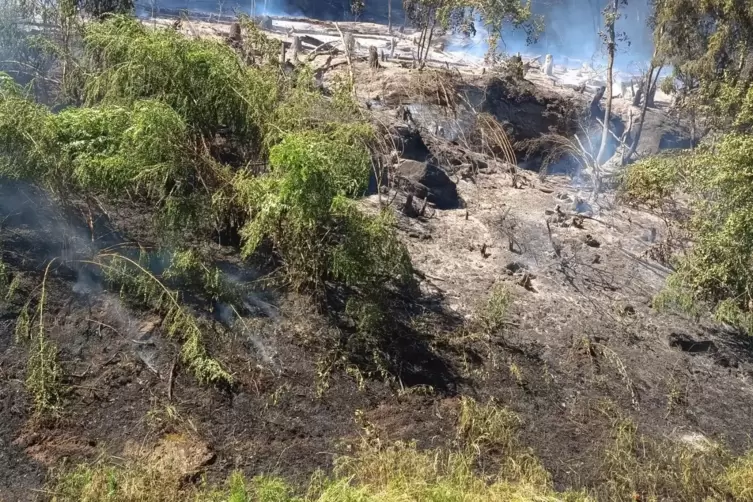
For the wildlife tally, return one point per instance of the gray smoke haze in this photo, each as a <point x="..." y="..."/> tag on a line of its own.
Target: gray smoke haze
<point x="571" y="33"/>
<point x="571" y="26"/>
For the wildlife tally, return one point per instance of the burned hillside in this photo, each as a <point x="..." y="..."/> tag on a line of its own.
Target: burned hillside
<point x="272" y="258"/>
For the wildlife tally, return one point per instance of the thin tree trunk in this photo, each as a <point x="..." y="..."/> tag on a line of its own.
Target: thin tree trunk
<point x="646" y="90"/>
<point x="428" y="45"/>
<point x="608" y="108"/>
<point x="421" y="43"/>
<point x="644" y="107"/>
<point x="652" y="90"/>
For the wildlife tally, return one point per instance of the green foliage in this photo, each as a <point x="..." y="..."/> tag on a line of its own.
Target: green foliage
<point x="301" y="206"/>
<point x="137" y="283"/>
<point x="202" y="80"/>
<point x="113" y="149"/>
<point x="717" y="271"/>
<point x="188" y="269"/>
<point x="182" y="124"/>
<point x="494" y="313"/>
<point x="652" y="181"/>
<point x="102" y="8"/>
<point x="25" y="133"/>
<point x="43" y="374"/>
<point x="708" y="46"/>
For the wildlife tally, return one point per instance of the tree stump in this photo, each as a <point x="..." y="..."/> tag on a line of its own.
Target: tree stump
<point x="548" y="65"/>
<point x="265" y="23"/>
<point x="597" y="97"/>
<point x="296" y="48"/>
<point x="408" y="209"/>
<point x="235" y="38"/>
<point x="373" y="58"/>
<point x="350" y="43"/>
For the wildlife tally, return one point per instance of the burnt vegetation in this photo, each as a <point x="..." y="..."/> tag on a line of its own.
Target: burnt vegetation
<point x="208" y="242"/>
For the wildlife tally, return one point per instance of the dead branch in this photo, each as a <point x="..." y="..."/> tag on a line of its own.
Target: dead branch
<point x="350" y="61"/>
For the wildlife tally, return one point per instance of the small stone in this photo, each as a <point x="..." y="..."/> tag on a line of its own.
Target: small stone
<point x="590" y="241"/>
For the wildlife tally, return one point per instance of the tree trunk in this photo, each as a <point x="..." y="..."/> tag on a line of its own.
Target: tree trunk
<point x="428" y="45"/>
<point x="296" y="48"/>
<point x="373" y="58"/>
<point x="421" y="44"/>
<point x="608" y="108"/>
<point x="639" y="130"/>
<point x="651" y="94"/>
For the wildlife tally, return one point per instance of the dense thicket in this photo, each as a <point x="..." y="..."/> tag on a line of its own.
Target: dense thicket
<point x="212" y="145"/>
<point x="708" y="44"/>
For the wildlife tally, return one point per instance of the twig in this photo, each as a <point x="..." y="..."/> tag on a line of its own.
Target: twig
<point x="350" y="61"/>
<point x="100" y="323"/>
<point x="556" y="248"/>
<point x="589" y="218"/>
<point x="170" y="379"/>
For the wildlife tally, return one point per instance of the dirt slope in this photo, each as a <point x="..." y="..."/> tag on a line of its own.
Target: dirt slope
<point x="581" y="347"/>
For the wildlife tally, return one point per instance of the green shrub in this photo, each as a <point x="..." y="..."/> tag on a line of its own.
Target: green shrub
<point x="494" y="313"/>
<point x="651" y="181"/>
<point x="301" y="206"/>
<point x="718" y="269"/>
<point x="114" y="149"/>
<point x="202" y="80"/>
<point x="26" y="133"/>
<point x="137" y="284"/>
<point x="181" y="124"/>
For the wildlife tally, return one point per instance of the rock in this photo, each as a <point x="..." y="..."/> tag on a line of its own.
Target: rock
<point x="409" y="209"/>
<point x="427" y="181"/>
<point x="688" y="344"/>
<point x="409" y="143"/>
<point x="548" y="65"/>
<point x="581" y="206"/>
<point x="526" y="111"/>
<point x="590" y="241"/>
<point x="373" y="58"/>
<point x="235" y="38"/>
<point x="265" y="23"/>
<point x="516" y="266"/>
<point x="661" y="132"/>
<point x="627" y="310"/>
<point x="649" y="235"/>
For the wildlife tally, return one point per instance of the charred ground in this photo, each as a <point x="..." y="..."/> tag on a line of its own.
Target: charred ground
<point x="579" y="349"/>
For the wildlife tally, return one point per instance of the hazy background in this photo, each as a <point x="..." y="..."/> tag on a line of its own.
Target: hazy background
<point x="572" y="26"/>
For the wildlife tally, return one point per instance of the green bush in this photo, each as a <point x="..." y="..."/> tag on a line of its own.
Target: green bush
<point x="494" y="313"/>
<point x="652" y="181"/>
<point x="717" y="271"/>
<point x="26" y="134"/>
<point x="182" y="124"/>
<point x="113" y="149"/>
<point x="202" y="80"/>
<point x="301" y="206"/>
